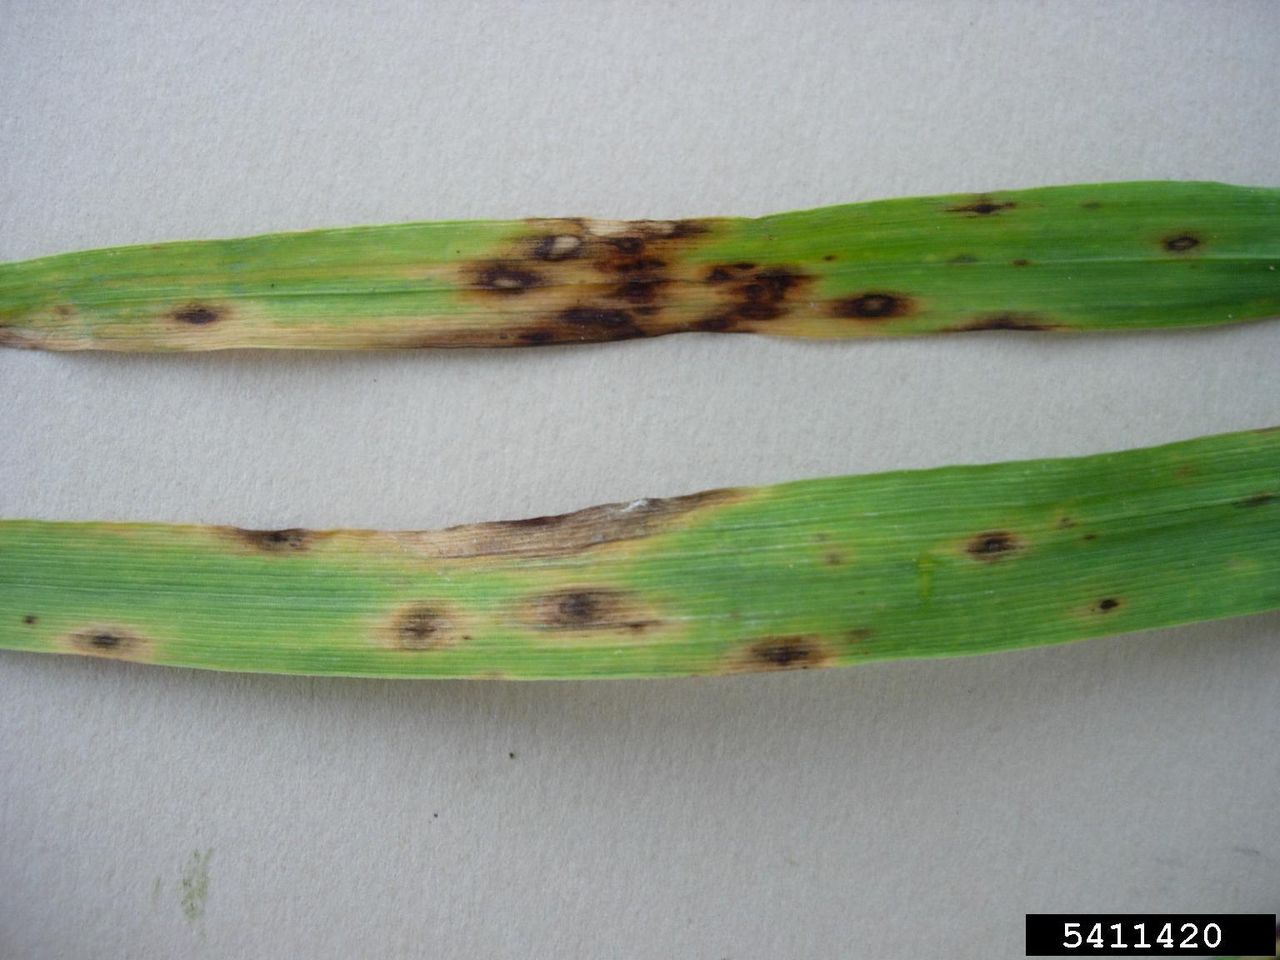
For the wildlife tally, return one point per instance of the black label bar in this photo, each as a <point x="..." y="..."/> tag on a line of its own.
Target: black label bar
<point x="1151" y="934"/>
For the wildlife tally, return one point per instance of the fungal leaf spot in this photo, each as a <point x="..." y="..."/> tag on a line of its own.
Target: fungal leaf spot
<point x="557" y="246"/>
<point x="992" y="545"/>
<point x="795" y="652"/>
<point x="588" y="609"/>
<point x="755" y="294"/>
<point x="1182" y="243"/>
<point x="873" y="305"/>
<point x="575" y="281"/>
<point x="276" y="541"/>
<point x="109" y="641"/>
<point x="197" y="314"/>
<point x="982" y="207"/>
<point x="507" y="280"/>
<point x="595" y="317"/>
<point x="423" y="626"/>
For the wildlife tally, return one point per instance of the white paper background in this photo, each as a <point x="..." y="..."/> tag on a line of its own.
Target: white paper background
<point x="890" y="811"/>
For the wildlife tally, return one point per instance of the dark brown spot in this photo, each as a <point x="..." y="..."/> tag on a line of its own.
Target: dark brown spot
<point x="422" y="627"/>
<point x="629" y="245"/>
<point x="963" y="258"/>
<point x="716" y="323"/>
<point x="197" y="314"/>
<point x="1107" y="604"/>
<point x="587" y="609"/>
<point x="595" y="317"/>
<point x="575" y="609"/>
<point x="681" y="229"/>
<point x="982" y="207"/>
<point x="108" y="642"/>
<point x="835" y="558"/>
<point x="599" y="323"/>
<point x="1020" y="262"/>
<point x="829" y="257"/>
<point x="1006" y="321"/>
<point x="508" y="280"/>
<point x="1181" y="243"/>
<point x="876" y="305"/>
<point x="1258" y="500"/>
<point x="636" y="265"/>
<point x="558" y="246"/>
<point x="30" y="619"/>
<point x="773" y="284"/>
<point x="756" y="309"/>
<point x="276" y="541"/>
<point x="1090" y="205"/>
<point x="1090" y="536"/>
<point x="757" y="296"/>
<point x="539" y="337"/>
<point x="639" y="291"/>
<point x="788" y="653"/>
<point x="992" y="545"/>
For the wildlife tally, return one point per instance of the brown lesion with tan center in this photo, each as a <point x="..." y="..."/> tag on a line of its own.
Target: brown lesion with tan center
<point x="874" y="305"/>
<point x="110" y="641"/>
<point x="588" y="609"/>
<point x="1181" y="242"/>
<point x="993" y="545"/>
<point x="785" y="652"/>
<point x="577" y="280"/>
<point x="570" y="281"/>
<point x="198" y="314"/>
<point x="425" y="626"/>
<point x="750" y="296"/>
